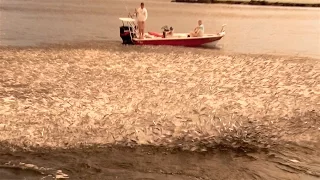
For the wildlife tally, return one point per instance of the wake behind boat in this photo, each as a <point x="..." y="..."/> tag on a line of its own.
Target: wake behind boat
<point x="129" y="36"/>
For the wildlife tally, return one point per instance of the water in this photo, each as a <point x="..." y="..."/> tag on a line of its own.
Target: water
<point x="250" y="29"/>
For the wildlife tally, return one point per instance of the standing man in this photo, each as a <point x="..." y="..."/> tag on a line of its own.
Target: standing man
<point x="142" y="15"/>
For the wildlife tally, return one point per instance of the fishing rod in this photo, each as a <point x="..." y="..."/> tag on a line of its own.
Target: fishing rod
<point x="123" y="1"/>
<point x="129" y="14"/>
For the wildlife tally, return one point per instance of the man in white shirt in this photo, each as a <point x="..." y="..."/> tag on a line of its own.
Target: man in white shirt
<point x="142" y="15"/>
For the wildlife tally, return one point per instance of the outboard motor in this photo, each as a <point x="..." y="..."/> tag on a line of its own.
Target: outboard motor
<point x="125" y="34"/>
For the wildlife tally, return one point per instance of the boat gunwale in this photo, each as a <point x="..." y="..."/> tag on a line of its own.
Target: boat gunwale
<point x="181" y="38"/>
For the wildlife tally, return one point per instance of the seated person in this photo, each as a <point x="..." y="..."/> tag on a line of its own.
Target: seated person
<point x="198" y="31"/>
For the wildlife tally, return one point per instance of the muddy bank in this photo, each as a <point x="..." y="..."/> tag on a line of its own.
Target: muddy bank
<point x="157" y="115"/>
<point x="252" y="2"/>
<point x="156" y="163"/>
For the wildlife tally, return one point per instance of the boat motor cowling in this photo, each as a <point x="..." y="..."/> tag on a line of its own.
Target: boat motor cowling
<point x="126" y="34"/>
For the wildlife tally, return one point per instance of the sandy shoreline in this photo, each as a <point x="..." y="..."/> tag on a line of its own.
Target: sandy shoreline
<point x="67" y="97"/>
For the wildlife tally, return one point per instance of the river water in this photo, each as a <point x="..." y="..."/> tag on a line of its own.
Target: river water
<point x="246" y="109"/>
<point x="250" y="29"/>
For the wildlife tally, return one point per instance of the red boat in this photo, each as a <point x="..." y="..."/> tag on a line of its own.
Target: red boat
<point x="128" y="35"/>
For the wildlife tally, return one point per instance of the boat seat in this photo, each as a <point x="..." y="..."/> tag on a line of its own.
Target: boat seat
<point x="155" y="34"/>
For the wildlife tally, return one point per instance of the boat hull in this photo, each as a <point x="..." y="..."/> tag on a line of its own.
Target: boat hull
<point x="185" y="41"/>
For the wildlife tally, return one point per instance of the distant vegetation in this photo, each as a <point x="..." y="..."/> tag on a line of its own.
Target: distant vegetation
<point x="195" y="1"/>
<point x="254" y="2"/>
